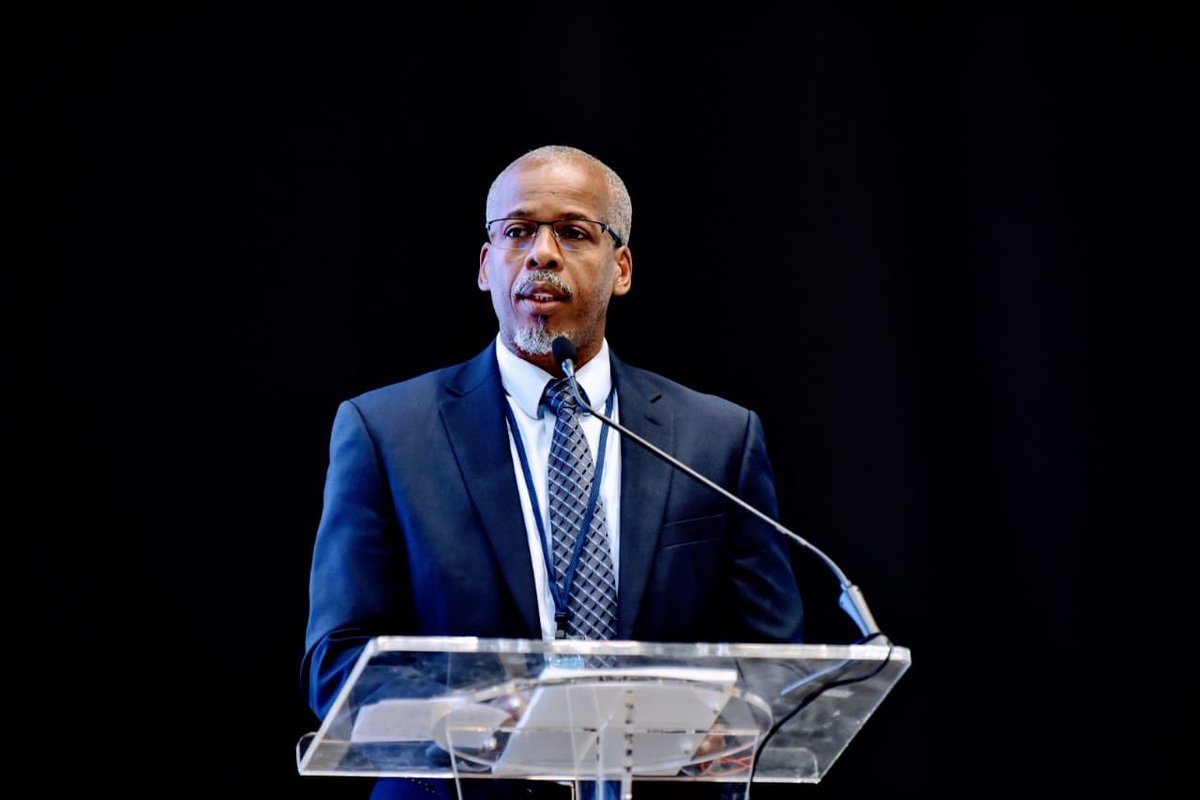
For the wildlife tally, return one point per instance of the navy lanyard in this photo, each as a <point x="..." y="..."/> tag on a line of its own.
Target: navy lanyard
<point x="561" y="594"/>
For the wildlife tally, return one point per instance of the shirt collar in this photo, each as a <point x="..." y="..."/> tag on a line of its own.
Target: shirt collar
<point x="526" y="382"/>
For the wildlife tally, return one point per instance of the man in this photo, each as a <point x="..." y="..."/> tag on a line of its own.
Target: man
<point x="437" y="501"/>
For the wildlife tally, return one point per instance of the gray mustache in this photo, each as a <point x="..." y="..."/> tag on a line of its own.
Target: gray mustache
<point x="543" y="277"/>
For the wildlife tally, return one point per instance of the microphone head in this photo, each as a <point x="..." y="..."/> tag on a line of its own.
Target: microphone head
<point x="563" y="350"/>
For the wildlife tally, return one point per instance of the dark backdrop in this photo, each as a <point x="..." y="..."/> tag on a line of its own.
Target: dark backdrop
<point x="914" y="242"/>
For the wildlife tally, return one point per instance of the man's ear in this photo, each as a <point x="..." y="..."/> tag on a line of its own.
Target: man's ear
<point x="482" y="278"/>
<point x="623" y="280"/>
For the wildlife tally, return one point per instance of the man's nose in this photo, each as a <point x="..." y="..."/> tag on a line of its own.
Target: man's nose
<point x="544" y="250"/>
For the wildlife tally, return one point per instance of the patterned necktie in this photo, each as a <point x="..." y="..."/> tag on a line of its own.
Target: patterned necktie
<point x="593" y="600"/>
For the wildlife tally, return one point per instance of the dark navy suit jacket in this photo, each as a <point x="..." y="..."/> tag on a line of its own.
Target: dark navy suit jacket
<point x="422" y="531"/>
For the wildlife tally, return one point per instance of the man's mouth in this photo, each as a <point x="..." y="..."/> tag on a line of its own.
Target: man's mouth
<point x="541" y="292"/>
<point x="541" y="297"/>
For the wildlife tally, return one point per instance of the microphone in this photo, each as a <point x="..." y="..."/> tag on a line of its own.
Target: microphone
<point x="851" y="600"/>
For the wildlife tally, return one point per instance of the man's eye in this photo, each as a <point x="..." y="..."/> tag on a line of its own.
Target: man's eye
<point x="572" y="232"/>
<point x="519" y="230"/>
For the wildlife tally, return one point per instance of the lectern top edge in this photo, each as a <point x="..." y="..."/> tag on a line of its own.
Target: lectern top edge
<point x="568" y="647"/>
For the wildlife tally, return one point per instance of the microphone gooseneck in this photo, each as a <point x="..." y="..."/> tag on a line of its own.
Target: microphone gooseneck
<point x="851" y="601"/>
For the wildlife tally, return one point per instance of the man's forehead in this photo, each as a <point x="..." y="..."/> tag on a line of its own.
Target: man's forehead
<point x="565" y="186"/>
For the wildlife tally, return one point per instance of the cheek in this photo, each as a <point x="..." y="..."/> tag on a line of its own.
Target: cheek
<point x="596" y="300"/>
<point x="495" y="279"/>
<point x="495" y="271"/>
<point x="500" y="301"/>
<point x="603" y="286"/>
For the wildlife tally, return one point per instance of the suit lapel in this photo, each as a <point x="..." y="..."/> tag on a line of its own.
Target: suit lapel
<point x="478" y="434"/>
<point x="645" y="480"/>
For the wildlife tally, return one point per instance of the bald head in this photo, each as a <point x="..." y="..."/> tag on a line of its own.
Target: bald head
<point x="620" y="208"/>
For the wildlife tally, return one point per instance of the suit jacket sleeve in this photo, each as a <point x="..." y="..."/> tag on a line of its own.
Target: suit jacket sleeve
<point x="353" y="585"/>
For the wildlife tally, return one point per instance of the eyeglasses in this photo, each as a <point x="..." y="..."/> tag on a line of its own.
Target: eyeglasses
<point x="573" y="235"/>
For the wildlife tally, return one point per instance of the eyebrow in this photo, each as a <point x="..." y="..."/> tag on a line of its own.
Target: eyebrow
<point x="522" y="213"/>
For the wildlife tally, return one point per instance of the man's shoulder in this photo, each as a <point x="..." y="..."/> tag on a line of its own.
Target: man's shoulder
<point x="429" y="386"/>
<point x="654" y="387"/>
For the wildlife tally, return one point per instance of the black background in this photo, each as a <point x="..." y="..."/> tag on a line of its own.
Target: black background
<point x="946" y="235"/>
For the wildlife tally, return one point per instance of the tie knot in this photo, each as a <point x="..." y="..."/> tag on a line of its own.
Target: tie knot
<point x="560" y="398"/>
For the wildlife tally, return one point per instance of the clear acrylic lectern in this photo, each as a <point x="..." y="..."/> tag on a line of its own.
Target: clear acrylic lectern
<point x="573" y="710"/>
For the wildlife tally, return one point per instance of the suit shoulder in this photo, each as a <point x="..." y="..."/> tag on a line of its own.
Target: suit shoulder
<point x="427" y="389"/>
<point x="656" y="386"/>
<point x="427" y="384"/>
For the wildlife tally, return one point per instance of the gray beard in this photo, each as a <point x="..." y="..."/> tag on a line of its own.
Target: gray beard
<point x="535" y="341"/>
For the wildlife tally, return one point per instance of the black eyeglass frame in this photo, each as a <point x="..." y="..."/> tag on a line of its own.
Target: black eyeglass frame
<point x="604" y="226"/>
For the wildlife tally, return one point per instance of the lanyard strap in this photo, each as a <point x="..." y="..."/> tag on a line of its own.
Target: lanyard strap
<point x="561" y="594"/>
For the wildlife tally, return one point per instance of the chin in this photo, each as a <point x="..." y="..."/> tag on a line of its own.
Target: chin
<point x="536" y="341"/>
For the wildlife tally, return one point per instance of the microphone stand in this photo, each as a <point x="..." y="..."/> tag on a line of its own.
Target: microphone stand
<point x="851" y="601"/>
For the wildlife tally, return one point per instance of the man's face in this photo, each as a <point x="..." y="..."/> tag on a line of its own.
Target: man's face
<point x="544" y="291"/>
